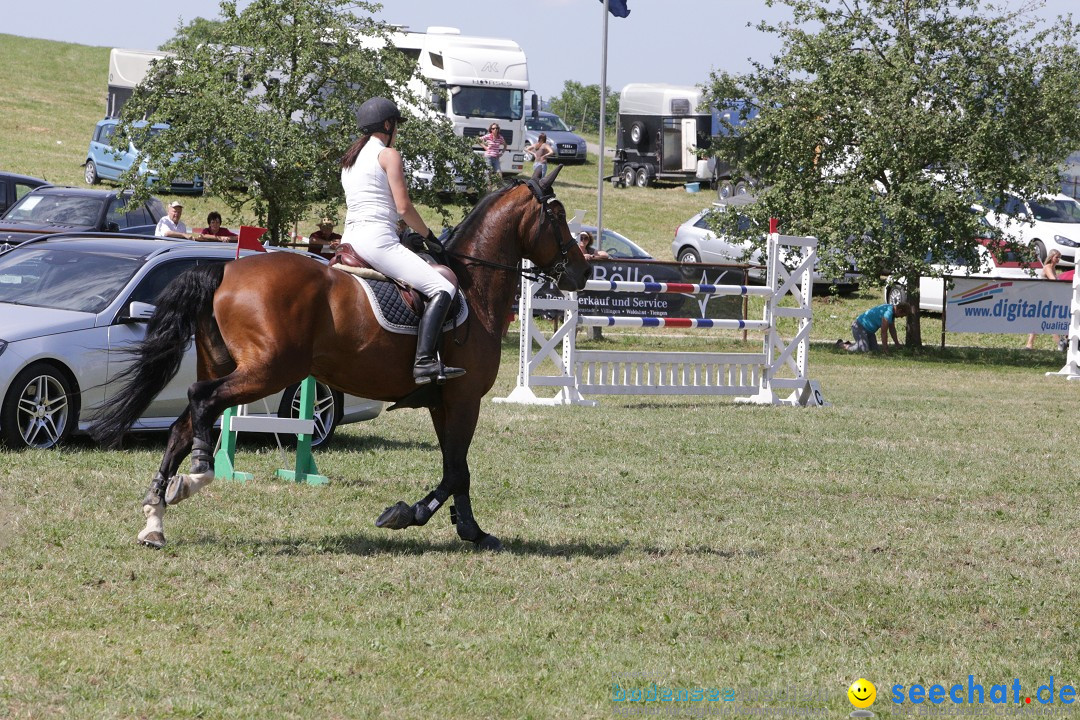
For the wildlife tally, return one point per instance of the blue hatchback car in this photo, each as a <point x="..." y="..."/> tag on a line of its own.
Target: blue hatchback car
<point x="103" y="161"/>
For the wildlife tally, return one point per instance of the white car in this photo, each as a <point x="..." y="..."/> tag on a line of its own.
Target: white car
<point x="70" y="305"/>
<point x="1051" y="222"/>
<point x="1001" y="263"/>
<point x="695" y="242"/>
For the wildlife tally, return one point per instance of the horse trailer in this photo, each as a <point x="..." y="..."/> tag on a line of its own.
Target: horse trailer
<point x="664" y="132"/>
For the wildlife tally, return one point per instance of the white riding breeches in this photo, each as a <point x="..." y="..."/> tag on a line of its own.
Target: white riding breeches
<point x="381" y="247"/>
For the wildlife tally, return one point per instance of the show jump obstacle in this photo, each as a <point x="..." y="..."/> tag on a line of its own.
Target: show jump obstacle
<point x="236" y="419"/>
<point x="759" y="378"/>
<point x="1071" y="369"/>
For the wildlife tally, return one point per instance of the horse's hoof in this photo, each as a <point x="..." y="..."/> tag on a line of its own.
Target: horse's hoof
<point x="176" y="490"/>
<point x="490" y="543"/>
<point x="396" y="517"/>
<point x="153" y="539"/>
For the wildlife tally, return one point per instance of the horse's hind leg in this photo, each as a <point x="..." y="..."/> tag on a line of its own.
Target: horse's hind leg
<point x="153" y="504"/>
<point x="203" y="409"/>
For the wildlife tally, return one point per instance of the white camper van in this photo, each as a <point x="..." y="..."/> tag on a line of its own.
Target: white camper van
<point x="127" y="68"/>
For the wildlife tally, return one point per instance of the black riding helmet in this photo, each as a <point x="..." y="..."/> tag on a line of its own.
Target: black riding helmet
<point x="374" y="112"/>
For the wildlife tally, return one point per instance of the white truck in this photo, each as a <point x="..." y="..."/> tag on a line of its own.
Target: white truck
<point x="484" y="80"/>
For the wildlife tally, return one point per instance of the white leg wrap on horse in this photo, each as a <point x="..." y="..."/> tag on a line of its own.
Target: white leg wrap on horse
<point x="154" y="532"/>
<point x="182" y="487"/>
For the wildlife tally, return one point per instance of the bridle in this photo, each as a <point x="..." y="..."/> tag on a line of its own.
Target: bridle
<point x="548" y="219"/>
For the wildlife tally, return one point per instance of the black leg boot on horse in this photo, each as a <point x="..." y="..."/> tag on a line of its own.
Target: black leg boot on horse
<point x="428" y="368"/>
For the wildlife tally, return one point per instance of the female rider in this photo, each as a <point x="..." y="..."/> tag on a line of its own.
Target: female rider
<point x="376" y="197"/>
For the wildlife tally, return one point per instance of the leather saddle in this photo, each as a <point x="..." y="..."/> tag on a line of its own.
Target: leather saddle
<point x="346" y="259"/>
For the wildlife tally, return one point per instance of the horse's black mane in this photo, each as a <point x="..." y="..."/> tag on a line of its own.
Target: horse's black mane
<point x="465" y="227"/>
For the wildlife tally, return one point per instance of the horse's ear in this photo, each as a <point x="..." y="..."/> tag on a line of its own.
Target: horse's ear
<point x="536" y="173"/>
<point x="548" y="179"/>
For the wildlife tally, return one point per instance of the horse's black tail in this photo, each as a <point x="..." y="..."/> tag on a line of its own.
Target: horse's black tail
<point x="157" y="357"/>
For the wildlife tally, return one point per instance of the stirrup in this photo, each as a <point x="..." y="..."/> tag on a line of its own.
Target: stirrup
<point x="433" y="370"/>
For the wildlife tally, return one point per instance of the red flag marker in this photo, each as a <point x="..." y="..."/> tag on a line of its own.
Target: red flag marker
<point x="774" y="226"/>
<point x="249" y="239"/>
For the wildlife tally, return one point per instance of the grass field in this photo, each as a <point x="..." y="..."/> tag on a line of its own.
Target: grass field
<point x="921" y="529"/>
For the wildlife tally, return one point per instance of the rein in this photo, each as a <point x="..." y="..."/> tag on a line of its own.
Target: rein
<point x="544" y="196"/>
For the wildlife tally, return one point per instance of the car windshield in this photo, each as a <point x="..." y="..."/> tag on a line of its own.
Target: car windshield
<point x="1055" y="211"/>
<point x="617" y="246"/>
<point x="505" y="104"/>
<point x="546" y="124"/>
<point x="64" y="278"/>
<point x="55" y="209"/>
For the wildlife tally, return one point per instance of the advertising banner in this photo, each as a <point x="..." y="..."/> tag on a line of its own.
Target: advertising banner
<point x="994" y="305"/>
<point x="663" y="305"/>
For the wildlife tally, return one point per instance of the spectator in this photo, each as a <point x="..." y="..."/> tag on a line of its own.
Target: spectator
<point x="324" y="236"/>
<point x="585" y="241"/>
<point x="541" y="150"/>
<point x="213" y="229"/>
<point x="494" y="146"/>
<point x="170" y="225"/>
<point x="881" y="317"/>
<point x="1049" y="272"/>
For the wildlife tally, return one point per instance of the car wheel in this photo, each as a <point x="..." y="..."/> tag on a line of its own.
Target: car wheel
<point x="1040" y="250"/>
<point x="39" y="409"/>
<point x="643" y="177"/>
<point x="742" y="188"/>
<point x="637" y="133"/>
<point x="90" y="173"/>
<point x="328" y="409"/>
<point x="628" y="176"/>
<point x="724" y="190"/>
<point x="689" y="255"/>
<point x="895" y="294"/>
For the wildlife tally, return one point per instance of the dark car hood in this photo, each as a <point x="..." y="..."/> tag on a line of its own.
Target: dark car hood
<point x="558" y="136"/>
<point x="17" y="233"/>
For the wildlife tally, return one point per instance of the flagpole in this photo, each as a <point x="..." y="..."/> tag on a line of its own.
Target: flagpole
<point x="603" y="131"/>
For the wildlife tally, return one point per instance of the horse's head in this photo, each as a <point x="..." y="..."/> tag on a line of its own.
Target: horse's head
<point x="550" y="246"/>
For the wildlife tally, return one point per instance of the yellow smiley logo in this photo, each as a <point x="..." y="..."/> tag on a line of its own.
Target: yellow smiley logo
<point x="862" y="693"/>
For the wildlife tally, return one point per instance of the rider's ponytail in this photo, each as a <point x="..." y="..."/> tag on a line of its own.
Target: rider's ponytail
<point x="349" y="158"/>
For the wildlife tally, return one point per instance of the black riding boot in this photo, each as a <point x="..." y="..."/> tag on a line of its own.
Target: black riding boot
<point x="427" y="367"/>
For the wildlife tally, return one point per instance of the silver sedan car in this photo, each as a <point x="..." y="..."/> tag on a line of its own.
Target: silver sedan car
<point x="69" y="308"/>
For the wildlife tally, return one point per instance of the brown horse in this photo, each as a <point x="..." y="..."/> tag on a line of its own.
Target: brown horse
<point x="266" y="321"/>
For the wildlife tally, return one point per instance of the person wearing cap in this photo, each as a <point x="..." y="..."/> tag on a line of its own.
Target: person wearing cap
<point x="170" y="225"/>
<point x="324" y="236"/>
<point x="376" y="197"/>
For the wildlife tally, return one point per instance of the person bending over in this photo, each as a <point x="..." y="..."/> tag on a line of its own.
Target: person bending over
<point x="881" y="317"/>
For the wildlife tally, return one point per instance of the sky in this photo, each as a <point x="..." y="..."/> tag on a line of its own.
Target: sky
<point x="669" y="41"/>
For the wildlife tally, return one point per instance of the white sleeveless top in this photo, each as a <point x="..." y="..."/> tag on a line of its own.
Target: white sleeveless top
<point x="367" y="189"/>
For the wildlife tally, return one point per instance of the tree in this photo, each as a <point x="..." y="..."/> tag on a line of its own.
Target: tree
<point x="579" y="105"/>
<point x="881" y="122"/>
<point x="197" y="32"/>
<point x="265" y="110"/>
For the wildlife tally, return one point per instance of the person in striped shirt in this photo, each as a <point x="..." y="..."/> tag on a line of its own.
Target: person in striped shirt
<point x="494" y="146"/>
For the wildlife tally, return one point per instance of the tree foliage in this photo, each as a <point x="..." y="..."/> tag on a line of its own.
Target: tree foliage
<point x="579" y="105"/>
<point x="197" y="32"/>
<point x="880" y="123"/>
<point x="266" y="109"/>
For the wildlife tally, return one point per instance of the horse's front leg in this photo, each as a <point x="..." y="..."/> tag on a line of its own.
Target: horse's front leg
<point x="455" y="435"/>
